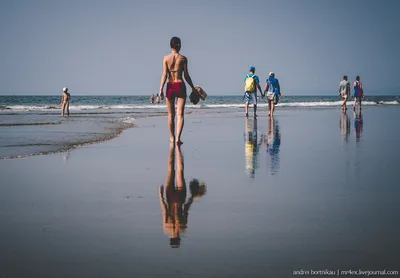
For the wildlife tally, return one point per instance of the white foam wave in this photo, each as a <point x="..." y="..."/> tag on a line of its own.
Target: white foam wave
<point x="127" y="120"/>
<point x="394" y="102"/>
<point x="201" y="105"/>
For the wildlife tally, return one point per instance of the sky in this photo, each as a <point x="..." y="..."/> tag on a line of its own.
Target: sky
<point x="117" y="47"/>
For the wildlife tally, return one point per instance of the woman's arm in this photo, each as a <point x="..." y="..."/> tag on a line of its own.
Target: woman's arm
<point x="186" y="73"/>
<point x="163" y="78"/>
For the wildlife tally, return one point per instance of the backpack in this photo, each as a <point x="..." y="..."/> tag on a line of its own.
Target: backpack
<point x="250" y="84"/>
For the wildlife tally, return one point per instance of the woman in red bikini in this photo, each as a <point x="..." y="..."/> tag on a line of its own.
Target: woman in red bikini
<point x="174" y="66"/>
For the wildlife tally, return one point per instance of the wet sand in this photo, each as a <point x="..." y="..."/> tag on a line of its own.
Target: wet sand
<point x="314" y="189"/>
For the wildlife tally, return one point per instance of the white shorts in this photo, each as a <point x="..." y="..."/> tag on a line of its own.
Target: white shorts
<point x="270" y="95"/>
<point x="251" y="98"/>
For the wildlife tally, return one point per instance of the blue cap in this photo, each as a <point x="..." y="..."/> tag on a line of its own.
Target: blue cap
<point x="252" y="68"/>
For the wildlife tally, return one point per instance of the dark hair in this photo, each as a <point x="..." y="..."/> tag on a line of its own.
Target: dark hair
<point x="345" y="77"/>
<point x="358" y="78"/>
<point x="175" y="43"/>
<point x="175" y="242"/>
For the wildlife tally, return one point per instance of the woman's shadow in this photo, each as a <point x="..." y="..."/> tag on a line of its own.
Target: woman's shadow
<point x="174" y="204"/>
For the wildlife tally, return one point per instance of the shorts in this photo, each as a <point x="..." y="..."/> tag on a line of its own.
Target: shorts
<point x="176" y="89"/>
<point x="344" y="94"/>
<point x="270" y="95"/>
<point x="250" y="98"/>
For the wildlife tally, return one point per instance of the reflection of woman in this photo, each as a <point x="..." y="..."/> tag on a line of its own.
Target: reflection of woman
<point x="273" y="143"/>
<point x="345" y="125"/>
<point x="175" y="206"/>
<point x="358" y="124"/>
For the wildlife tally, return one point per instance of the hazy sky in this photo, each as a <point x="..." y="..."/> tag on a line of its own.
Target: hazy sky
<point x="117" y="47"/>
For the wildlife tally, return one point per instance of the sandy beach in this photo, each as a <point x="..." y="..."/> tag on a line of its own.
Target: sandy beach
<point x="314" y="189"/>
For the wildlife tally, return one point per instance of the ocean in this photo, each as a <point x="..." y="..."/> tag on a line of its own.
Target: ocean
<point x="32" y="125"/>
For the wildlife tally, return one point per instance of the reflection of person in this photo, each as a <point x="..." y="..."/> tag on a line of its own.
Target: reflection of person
<point x="251" y="146"/>
<point x="251" y="84"/>
<point x="273" y="91"/>
<point x="358" y="124"/>
<point x="358" y="92"/>
<point x="151" y="98"/>
<point x="175" y="206"/>
<point x="345" y="125"/>
<point x="344" y="91"/>
<point x="66" y="97"/>
<point x="273" y="144"/>
<point x="174" y="65"/>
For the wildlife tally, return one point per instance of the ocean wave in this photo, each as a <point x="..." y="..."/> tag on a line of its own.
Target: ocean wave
<point x="394" y="102"/>
<point x="203" y="105"/>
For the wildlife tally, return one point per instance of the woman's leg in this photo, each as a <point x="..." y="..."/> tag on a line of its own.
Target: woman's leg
<point x="171" y="118"/>
<point x="67" y="106"/>
<point x="180" y="118"/>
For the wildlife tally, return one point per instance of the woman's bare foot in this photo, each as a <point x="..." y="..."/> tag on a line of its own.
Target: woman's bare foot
<point x="247" y="115"/>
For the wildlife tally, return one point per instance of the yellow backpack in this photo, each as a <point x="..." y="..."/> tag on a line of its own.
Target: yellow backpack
<point x="250" y="84"/>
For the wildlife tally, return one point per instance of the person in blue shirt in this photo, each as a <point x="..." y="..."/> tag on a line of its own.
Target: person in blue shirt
<point x="251" y="84"/>
<point x="273" y="91"/>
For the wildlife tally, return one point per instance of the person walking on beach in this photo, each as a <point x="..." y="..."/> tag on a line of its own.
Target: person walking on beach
<point x="251" y="84"/>
<point x="151" y="98"/>
<point x="272" y="89"/>
<point x="157" y="98"/>
<point x="65" y="101"/>
<point x="358" y="92"/>
<point x="174" y="66"/>
<point x="344" y="91"/>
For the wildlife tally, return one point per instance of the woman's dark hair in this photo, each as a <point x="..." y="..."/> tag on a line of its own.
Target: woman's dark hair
<point x="358" y="78"/>
<point x="175" y="43"/>
<point x="345" y="77"/>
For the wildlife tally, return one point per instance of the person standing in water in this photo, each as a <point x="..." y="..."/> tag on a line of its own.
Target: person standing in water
<point x="251" y="84"/>
<point x="175" y="66"/>
<point x="66" y="97"/>
<point x="344" y="91"/>
<point x="272" y="89"/>
<point x="358" y="92"/>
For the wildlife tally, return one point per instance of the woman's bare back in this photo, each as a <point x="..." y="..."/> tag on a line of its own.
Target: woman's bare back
<point x="175" y="65"/>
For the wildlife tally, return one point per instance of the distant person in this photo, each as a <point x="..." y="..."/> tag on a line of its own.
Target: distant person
<point x="174" y="66"/>
<point x="251" y="84"/>
<point x="175" y="206"/>
<point x="272" y="89"/>
<point x="151" y="98"/>
<point x="344" y="91"/>
<point x="157" y="98"/>
<point x="358" y="92"/>
<point x="66" y="97"/>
